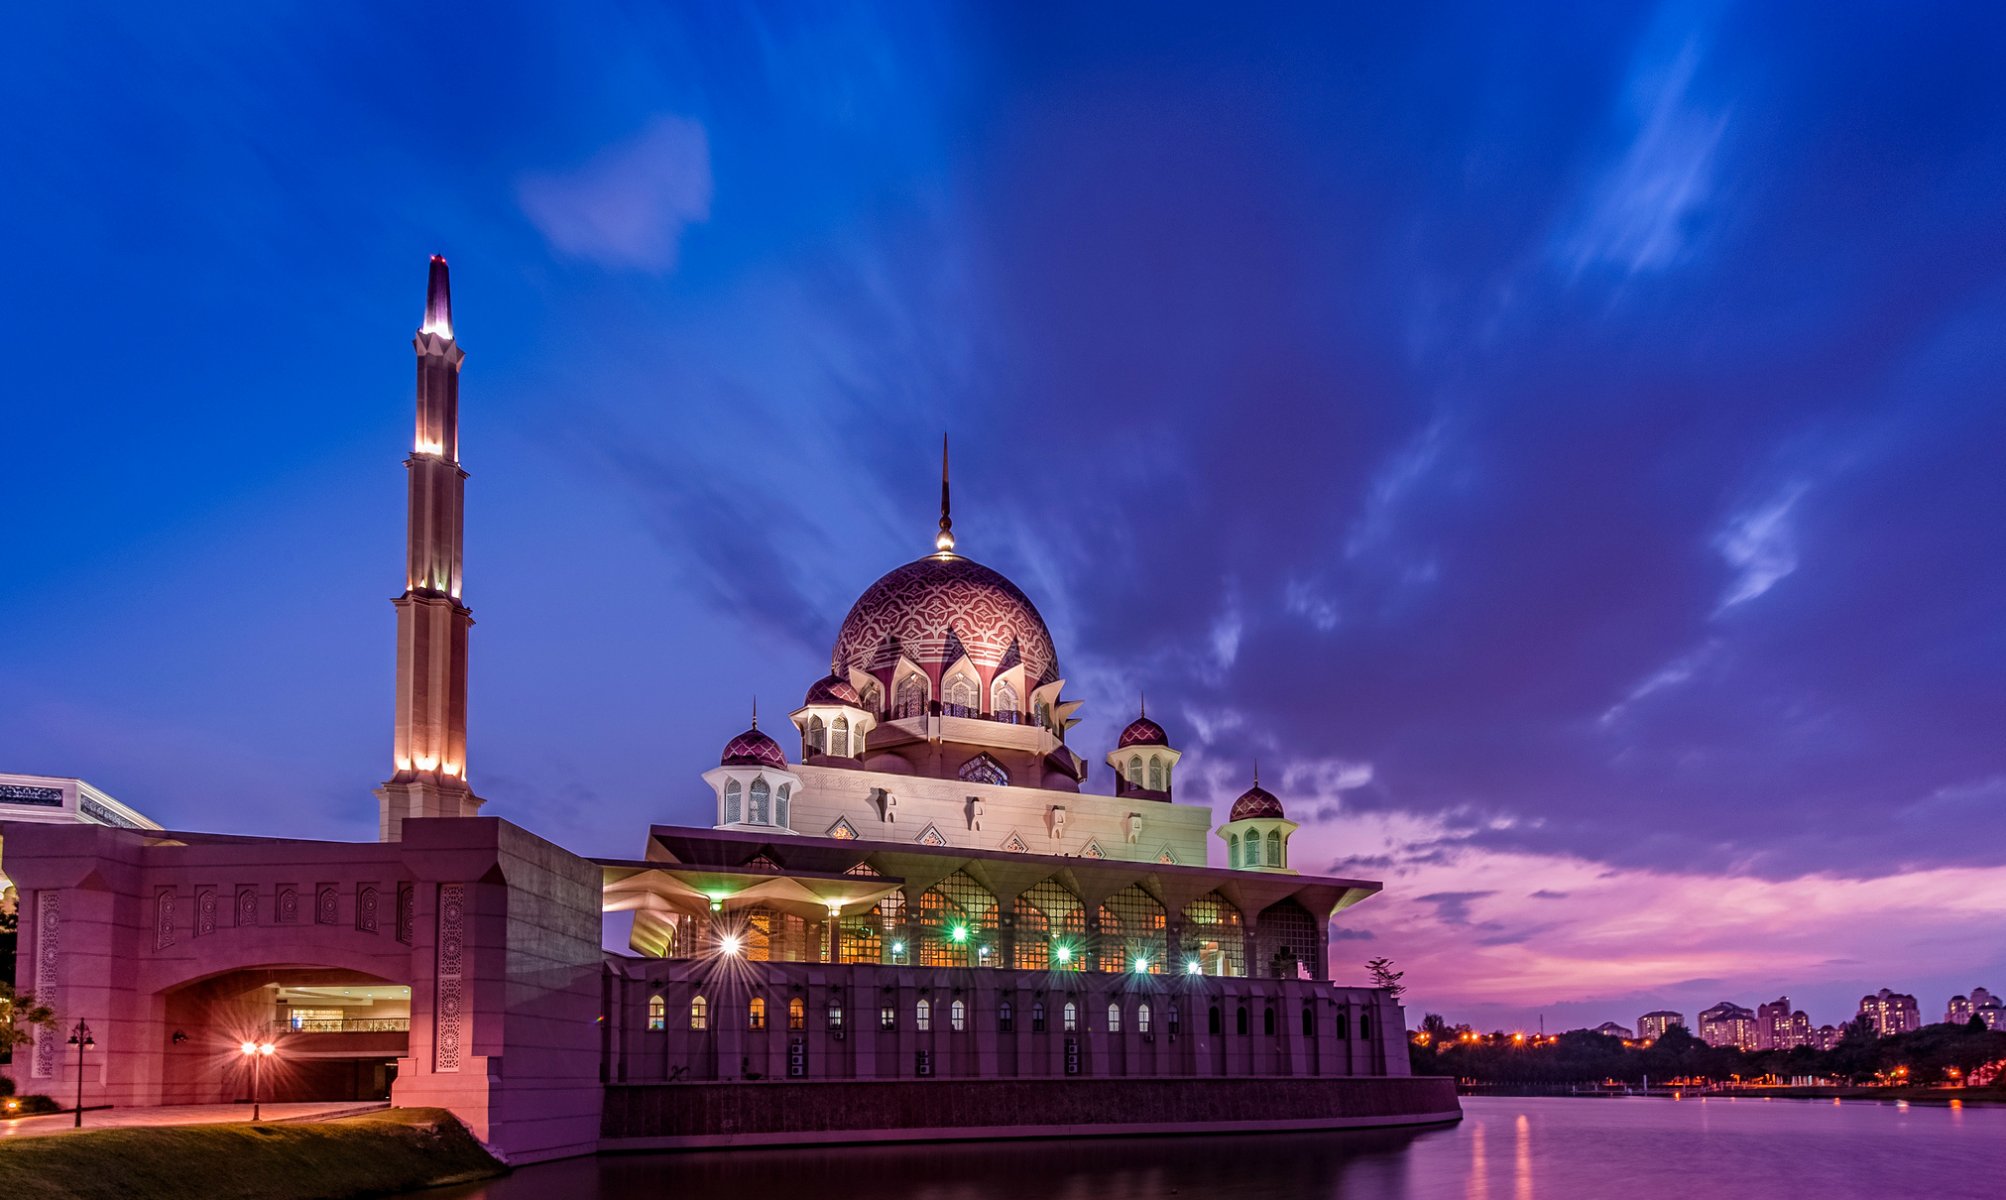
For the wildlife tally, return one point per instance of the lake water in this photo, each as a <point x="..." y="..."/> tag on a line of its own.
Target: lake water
<point x="1504" y="1149"/>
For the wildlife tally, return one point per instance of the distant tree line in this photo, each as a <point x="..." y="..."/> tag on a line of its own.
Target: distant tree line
<point x="1932" y="1054"/>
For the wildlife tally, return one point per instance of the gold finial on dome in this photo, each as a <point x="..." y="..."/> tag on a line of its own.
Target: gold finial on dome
<point x="944" y="540"/>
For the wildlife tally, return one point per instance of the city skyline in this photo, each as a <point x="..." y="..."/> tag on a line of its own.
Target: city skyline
<point x="1556" y="505"/>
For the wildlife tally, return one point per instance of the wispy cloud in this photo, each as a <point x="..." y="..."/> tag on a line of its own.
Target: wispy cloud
<point x="628" y="207"/>
<point x="1642" y="212"/>
<point x="1761" y="545"/>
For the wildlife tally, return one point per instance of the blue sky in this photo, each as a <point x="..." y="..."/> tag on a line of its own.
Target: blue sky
<point x="1563" y="443"/>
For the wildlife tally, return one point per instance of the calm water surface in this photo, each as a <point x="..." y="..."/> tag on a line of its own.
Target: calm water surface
<point x="1505" y="1149"/>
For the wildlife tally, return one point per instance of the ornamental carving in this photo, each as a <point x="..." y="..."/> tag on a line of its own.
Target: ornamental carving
<point x="326" y="906"/>
<point x="48" y="978"/>
<point x="247" y="907"/>
<point x="163" y="918"/>
<point x="365" y="910"/>
<point x="205" y="911"/>
<point x="289" y="905"/>
<point x="404" y="904"/>
<point x="452" y="952"/>
<point x="937" y="608"/>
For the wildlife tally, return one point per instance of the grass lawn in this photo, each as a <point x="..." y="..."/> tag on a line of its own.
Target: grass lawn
<point x="371" y="1155"/>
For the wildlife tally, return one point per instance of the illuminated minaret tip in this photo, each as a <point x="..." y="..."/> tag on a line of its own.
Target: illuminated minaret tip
<point x="944" y="540"/>
<point x="438" y="301"/>
<point x="429" y="737"/>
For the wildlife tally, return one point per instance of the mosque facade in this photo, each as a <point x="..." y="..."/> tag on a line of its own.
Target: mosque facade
<point x="908" y="917"/>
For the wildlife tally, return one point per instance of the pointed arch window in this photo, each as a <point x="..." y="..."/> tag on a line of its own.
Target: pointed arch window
<point x="910" y="700"/>
<point x="1142" y="1019"/>
<point x="1214" y="936"/>
<point x="961" y="696"/>
<point x="1251" y="856"/>
<point x="1003" y="702"/>
<point x="817" y="738"/>
<point x="1037" y="1016"/>
<point x="1233" y="850"/>
<point x="699" y="1013"/>
<point x="957" y="1016"/>
<point x="1006" y="1017"/>
<point x="755" y="1013"/>
<point x="760" y="794"/>
<point x="922" y="1015"/>
<point x="658" y="1014"/>
<point x="1114" y="1018"/>
<point x="1274" y="847"/>
<point x="873" y="697"/>
<point x="1155" y="774"/>
<point x="839" y="737"/>
<point x="984" y="769"/>
<point x="1070" y="1017"/>
<point x="1135" y="770"/>
<point x="781" y="802"/>
<point x="1051" y="929"/>
<point x="731" y="802"/>
<point x="1133" y="928"/>
<point x="797" y="1013"/>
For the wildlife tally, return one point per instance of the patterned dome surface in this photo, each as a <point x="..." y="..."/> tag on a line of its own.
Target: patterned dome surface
<point x="941" y="606"/>
<point x="1143" y="732"/>
<point x="832" y="689"/>
<point x="1256" y="802"/>
<point x="753" y="749"/>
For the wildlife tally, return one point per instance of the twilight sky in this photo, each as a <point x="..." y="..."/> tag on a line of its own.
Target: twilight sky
<point x="1566" y="446"/>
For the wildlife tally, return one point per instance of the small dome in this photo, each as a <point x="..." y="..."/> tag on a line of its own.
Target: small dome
<point x="834" y="689"/>
<point x="753" y="749"/>
<point x="1256" y="802"/>
<point x="1143" y="732"/>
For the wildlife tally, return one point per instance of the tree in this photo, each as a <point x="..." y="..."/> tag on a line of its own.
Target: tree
<point x="1386" y="978"/>
<point x="20" y="1015"/>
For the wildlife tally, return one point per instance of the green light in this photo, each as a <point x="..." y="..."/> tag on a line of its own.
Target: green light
<point x="959" y="933"/>
<point x="1065" y="953"/>
<point x="1141" y="965"/>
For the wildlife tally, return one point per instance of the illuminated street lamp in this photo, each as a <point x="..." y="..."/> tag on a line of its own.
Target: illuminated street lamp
<point x="81" y="1038"/>
<point x="959" y="933"/>
<point x="1065" y="953"/>
<point x="730" y="944"/>
<point x="1141" y="964"/>
<point x="255" y="1053"/>
<point x="1191" y="967"/>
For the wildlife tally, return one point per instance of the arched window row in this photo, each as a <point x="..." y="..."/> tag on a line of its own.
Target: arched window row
<point x="1148" y="770"/>
<point x="759" y="804"/>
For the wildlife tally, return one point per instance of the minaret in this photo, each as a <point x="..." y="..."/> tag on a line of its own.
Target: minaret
<point x="429" y="746"/>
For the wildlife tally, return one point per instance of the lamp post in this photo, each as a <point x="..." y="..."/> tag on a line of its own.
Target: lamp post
<point x="255" y="1053"/>
<point x="81" y="1038"/>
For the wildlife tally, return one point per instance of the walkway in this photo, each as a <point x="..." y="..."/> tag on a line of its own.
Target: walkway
<point x="179" y="1114"/>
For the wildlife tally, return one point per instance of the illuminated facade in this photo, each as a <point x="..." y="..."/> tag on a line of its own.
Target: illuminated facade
<point x="923" y="897"/>
<point x="1779" y="1027"/>
<point x="1728" y="1024"/>
<point x="1891" y="1012"/>
<point x="1981" y="1004"/>
<point x="1652" y="1025"/>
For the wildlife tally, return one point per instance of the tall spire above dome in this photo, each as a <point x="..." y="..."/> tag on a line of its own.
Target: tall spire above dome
<point x="944" y="540"/>
<point x="429" y="736"/>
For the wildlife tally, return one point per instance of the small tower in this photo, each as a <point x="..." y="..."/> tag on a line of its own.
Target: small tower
<point x="833" y="720"/>
<point x="754" y="788"/>
<point x="429" y="740"/>
<point x="1143" y="760"/>
<point x="1257" y="833"/>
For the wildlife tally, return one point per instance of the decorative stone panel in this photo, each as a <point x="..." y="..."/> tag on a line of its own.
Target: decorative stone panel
<point x="288" y="907"/>
<point x="365" y="910"/>
<point x="163" y="918"/>
<point x="326" y="905"/>
<point x="451" y="960"/>
<point x="405" y="900"/>
<point x="48" y="978"/>
<point x="247" y="907"/>
<point x="205" y="911"/>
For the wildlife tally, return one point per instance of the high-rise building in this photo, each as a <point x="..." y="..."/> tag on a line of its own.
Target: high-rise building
<point x="1653" y="1024"/>
<point x="1778" y="1027"/>
<point x="1980" y="1003"/>
<point x="1826" y="1037"/>
<point x="1728" y="1024"/>
<point x="1891" y="1012"/>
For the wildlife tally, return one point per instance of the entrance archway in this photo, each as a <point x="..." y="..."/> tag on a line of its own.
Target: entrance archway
<point x="339" y="1033"/>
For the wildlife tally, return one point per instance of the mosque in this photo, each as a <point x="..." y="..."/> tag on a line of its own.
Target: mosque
<point x="908" y="920"/>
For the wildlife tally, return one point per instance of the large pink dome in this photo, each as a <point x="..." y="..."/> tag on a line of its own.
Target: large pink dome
<point x="944" y="605"/>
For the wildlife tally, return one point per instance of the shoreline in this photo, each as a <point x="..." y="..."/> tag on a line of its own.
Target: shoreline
<point x="1938" y="1097"/>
